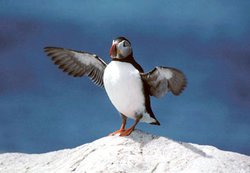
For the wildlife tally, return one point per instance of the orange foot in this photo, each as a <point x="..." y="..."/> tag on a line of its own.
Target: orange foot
<point x="127" y="132"/>
<point x="117" y="132"/>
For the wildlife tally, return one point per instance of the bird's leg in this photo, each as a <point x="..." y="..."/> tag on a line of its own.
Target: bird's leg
<point x="131" y="129"/>
<point x="122" y="128"/>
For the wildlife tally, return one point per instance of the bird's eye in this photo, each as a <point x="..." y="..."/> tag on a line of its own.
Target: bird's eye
<point x="125" y="44"/>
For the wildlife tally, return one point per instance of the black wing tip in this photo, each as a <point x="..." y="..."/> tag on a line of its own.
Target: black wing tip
<point x="48" y="48"/>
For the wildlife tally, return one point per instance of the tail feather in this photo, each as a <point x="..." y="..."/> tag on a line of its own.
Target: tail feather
<point x="156" y="122"/>
<point x="150" y="118"/>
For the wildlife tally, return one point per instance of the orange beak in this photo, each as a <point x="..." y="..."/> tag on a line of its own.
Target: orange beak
<point x="113" y="51"/>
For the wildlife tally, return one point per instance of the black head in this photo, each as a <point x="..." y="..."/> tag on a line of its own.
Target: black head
<point x="121" y="48"/>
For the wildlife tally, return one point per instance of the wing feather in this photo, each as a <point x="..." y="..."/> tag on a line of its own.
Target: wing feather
<point x="77" y="63"/>
<point x="162" y="79"/>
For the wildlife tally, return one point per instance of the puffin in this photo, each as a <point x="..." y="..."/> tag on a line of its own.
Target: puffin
<point x="128" y="87"/>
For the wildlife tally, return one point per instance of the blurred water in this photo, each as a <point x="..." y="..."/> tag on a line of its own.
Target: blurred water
<point x="42" y="109"/>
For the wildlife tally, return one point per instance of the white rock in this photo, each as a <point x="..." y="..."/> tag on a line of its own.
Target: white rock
<point x="140" y="152"/>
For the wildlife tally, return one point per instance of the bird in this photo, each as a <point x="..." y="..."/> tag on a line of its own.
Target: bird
<point x="128" y="87"/>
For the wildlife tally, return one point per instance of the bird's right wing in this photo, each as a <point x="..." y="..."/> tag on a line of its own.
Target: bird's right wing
<point x="77" y="63"/>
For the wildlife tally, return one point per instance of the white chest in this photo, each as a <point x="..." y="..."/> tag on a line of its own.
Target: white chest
<point x="124" y="87"/>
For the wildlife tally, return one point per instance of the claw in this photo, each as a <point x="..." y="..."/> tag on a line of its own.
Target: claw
<point x="117" y="132"/>
<point x="131" y="129"/>
<point x="127" y="132"/>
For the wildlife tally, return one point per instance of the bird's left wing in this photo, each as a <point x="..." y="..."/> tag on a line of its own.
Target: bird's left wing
<point x="77" y="63"/>
<point x="162" y="79"/>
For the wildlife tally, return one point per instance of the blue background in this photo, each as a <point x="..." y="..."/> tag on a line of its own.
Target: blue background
<point x="43" y="109"/>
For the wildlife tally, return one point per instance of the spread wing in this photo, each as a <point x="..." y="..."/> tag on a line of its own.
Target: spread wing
<point x="162" y="79"/>
<point x="77" y="63"/>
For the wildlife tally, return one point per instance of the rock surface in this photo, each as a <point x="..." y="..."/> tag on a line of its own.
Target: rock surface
<point x="140" y="152"/>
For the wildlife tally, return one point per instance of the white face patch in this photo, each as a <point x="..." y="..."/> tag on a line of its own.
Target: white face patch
<point x="123" y="49"/>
